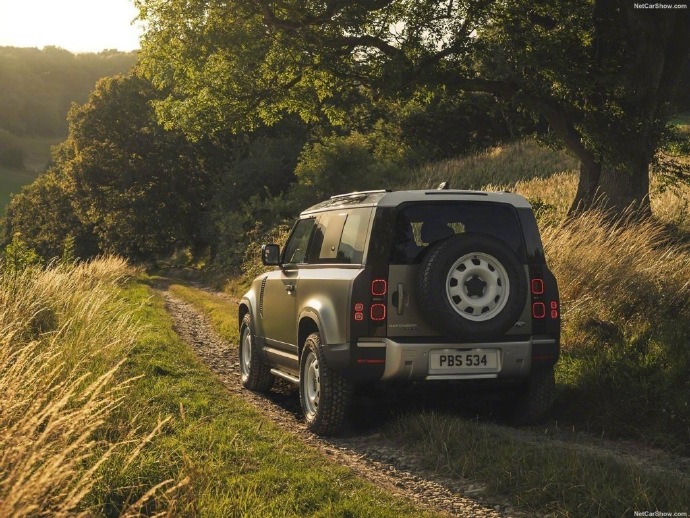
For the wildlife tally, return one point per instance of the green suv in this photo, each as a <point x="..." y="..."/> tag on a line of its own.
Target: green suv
<point x="407" y="286"/>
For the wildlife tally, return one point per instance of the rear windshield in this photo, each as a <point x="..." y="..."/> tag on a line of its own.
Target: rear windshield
<point x="419" y="225"/>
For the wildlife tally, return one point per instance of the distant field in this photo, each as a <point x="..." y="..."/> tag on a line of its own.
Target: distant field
<point x="37" y="157"/>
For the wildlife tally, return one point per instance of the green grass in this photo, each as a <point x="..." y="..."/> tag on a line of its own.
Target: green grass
<point x="236" y="462"/>
<point x="540" y="478"/>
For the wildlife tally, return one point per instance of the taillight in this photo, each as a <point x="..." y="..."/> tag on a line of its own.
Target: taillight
<point x="539" y="306"/>
<point x="379" y="287"/>
<point x="554" y="309"/>
<point x="537" y="286"/>
<point x="373" y="308"/>
<point x="538" y="310"/>
<point x="378" y="312"/>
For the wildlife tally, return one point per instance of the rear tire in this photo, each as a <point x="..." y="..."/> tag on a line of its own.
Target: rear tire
<point x="535" y="399"/>
<point x="254" y="372"/>
<point x="324" y="394"/>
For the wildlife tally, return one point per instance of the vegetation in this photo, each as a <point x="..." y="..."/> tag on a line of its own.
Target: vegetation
<point x="601" y="74"/>
<point x="37" y="90"/>
<point x="241" y="114"/>
<point x="64" y="339"/>
<point x="542" y="476"/>
<point x="39" y="86"/>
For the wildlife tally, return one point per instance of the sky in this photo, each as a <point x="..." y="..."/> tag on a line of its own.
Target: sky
<point x="74" y="25"/>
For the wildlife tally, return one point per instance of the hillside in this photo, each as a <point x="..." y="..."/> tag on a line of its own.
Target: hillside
<point x="37" y="90"/>
<point x="36" y="158"/>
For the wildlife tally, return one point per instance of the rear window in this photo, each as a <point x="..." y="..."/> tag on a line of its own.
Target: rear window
<point x="420" y="225"/>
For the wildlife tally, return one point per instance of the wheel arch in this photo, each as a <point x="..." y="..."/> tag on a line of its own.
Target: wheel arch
<point x="243" y="309"/>
<point x="308" y="324"/>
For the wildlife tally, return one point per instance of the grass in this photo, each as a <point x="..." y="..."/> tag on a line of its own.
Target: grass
<point x="538" y="476"/>
<point x="237" y="462"/>
<point x="64" y="335"/>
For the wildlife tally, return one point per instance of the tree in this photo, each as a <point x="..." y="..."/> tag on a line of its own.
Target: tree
<point x="141" y="189"/>
<point x="601" y="72"/>
<point x="43" y="213"/>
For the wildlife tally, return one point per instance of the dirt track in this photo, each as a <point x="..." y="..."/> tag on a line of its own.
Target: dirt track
<point x="367" y="452"/>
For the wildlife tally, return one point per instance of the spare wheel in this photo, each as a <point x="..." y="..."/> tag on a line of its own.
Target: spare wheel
<point x="471" y="286"/>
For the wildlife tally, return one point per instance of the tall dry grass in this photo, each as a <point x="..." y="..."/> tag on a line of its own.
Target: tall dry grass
<point x="63" y="337"/>
<point x="625" y="292"/>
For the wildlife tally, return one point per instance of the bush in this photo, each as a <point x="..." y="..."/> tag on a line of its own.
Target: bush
<point x="18" y="256"/>
<point x="343" y="164"/>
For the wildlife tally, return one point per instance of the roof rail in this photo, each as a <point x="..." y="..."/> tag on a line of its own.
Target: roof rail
<point x="359" y="193"/>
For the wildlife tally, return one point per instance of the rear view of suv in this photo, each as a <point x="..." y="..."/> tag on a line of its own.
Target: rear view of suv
<point x="409" y="286"/>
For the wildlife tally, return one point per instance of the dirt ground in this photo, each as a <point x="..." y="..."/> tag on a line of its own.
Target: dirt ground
<point x="363" y="449"/>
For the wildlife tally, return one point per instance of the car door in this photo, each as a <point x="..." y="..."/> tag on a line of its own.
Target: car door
<point x="279" y="296"/>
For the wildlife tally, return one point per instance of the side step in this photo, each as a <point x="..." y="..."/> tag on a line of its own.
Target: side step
<point x="285" y="376"/>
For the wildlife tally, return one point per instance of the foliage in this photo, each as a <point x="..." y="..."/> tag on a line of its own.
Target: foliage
<point x="18" y="256"/>
<point x="343" y="164"/>
<point x="65" y="333"/>
<point x="601" y="73"/>
<point x="120" y="183"/>
<point x="38" y="86"/>
<point x="44" y="214"/>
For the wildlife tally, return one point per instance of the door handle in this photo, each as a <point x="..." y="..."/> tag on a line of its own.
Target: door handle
<point x="289" y="288"/>
<point x="401" y="299"/>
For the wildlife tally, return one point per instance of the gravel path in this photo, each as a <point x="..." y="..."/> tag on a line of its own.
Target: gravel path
<point x="371" y="454"/>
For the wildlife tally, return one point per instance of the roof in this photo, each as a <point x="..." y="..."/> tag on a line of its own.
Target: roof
<point x="394" y="198"/>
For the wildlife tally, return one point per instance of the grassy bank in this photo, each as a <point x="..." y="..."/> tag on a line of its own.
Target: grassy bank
<point x="64" y="335"/>
<point x="538" y="474"/>
<point x="106" y="412"/>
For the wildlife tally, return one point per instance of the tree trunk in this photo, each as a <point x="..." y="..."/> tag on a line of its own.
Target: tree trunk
<point x="620" y="192"/>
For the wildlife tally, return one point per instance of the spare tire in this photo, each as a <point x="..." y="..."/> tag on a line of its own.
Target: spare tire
<point x="471" y="287"/>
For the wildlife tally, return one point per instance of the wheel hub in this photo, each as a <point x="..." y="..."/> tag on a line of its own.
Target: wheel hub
<point x="475" y="287"/>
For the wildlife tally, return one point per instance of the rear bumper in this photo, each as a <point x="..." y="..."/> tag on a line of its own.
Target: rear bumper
<point x="411" y="361"/>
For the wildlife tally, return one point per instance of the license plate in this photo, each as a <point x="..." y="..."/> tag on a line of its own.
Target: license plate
<point x="451" y="361"/>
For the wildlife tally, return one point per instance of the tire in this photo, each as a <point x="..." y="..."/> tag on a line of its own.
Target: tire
<point x="324" y="394"/>
<point x="535" y="399"/>
<point x="471" y="287"/>
<point x="254" y="372"/>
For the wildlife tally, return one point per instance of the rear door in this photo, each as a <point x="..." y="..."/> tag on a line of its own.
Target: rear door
<point x="418" y="226"/>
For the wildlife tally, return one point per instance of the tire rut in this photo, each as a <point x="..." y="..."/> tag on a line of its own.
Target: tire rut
<point x="370" y="454"/>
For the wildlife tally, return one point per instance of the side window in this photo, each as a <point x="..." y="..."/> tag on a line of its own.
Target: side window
<point x="327" y="237"/>
<point x="351" y="249"/>
<point x="295" y="251"/>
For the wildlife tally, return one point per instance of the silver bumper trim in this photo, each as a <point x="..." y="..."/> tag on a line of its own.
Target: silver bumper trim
<point x="410" y="361"/>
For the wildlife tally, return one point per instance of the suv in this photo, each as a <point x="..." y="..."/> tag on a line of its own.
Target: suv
<point x="408" y="286"/>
